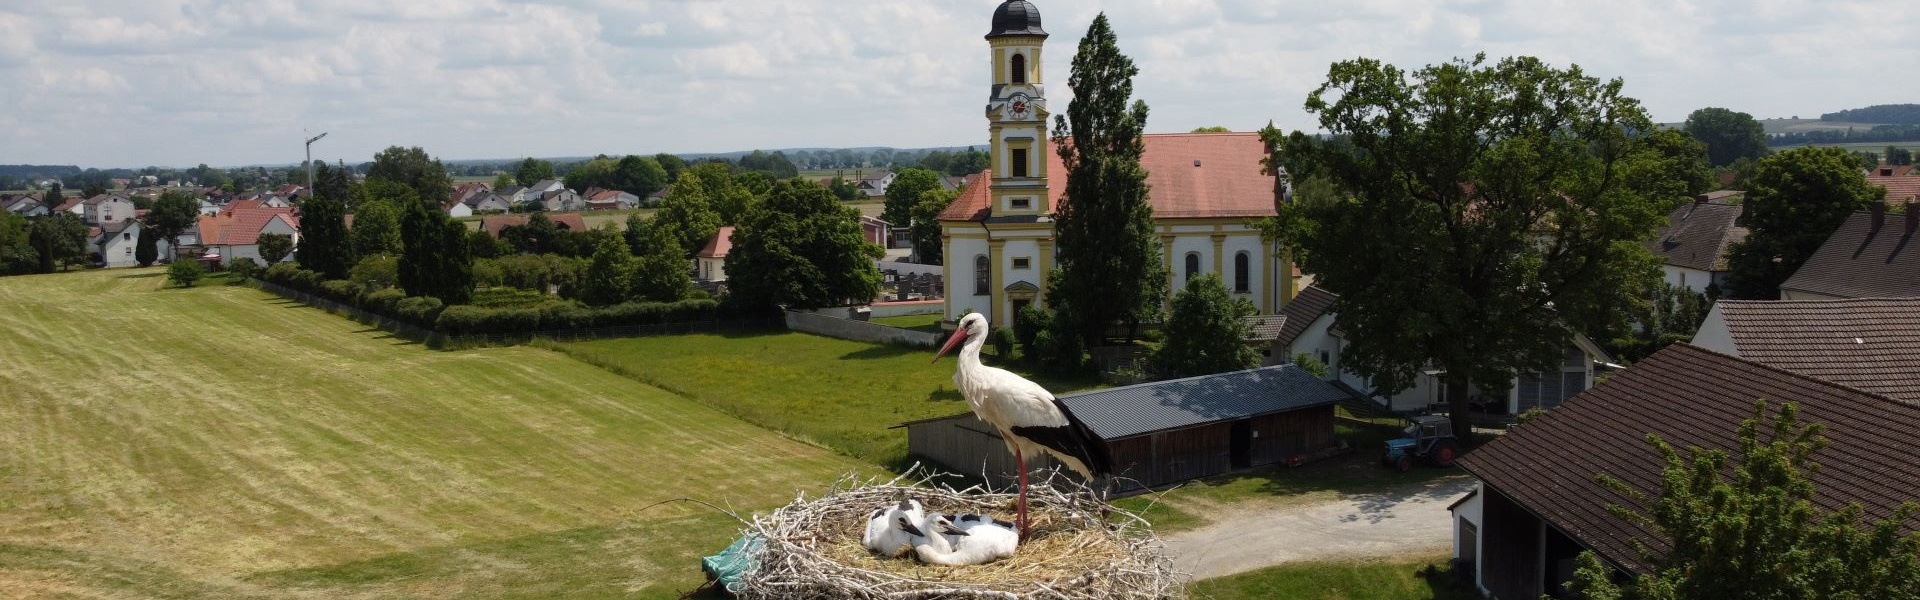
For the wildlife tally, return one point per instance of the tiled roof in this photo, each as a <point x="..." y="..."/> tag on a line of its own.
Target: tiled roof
<point x="1303" y="311"/>
<point x="1264" y="329"/>
<point x="494" y="223"/>
<point x="1862" y="260"/>
<point x="1122" y="412"/>
<point x="1191" y="175"/>
<point x="1698" y="234"/>
<point x="100" y="198"/>
<point x="68" y="204"/>
<point x="1690" y="396"/>
<point x="1872" y="344"/>
<point x="605" y="195"/>
<point x="1900" y="188"/>
<point x="241" y="227"/>
<point x="1892" y="170"/>
<point x="719" y="245"/>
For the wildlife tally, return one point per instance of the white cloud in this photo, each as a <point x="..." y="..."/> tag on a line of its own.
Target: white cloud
<point x="180" y="82"/>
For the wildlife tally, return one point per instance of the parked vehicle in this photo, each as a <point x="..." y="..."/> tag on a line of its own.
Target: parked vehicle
<point x="1429" y="438"/>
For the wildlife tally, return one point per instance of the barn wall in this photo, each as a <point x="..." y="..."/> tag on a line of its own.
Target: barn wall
<point x="1192" y="453"/>
<point x="1284" y="435"/>
<point x="1510" y="548"/>
<point x="964" y="445"/>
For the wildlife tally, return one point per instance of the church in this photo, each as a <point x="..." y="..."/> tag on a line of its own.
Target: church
<point x="998" y="235"/>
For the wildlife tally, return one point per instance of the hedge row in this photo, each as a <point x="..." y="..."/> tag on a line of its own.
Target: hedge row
<point x="469" y="320"/>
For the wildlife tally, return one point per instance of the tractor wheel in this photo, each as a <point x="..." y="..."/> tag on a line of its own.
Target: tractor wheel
<point x="1404" y="464"/>
<point x="1443" y="454"/>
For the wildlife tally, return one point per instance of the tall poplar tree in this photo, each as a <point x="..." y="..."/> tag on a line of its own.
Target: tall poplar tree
<point x="1107" y="253"/>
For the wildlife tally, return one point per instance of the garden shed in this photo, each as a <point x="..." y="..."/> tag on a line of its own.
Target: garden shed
<point x="1163" y="432"/>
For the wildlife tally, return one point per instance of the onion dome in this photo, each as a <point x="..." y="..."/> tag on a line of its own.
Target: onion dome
<point x="1016" y="17"/>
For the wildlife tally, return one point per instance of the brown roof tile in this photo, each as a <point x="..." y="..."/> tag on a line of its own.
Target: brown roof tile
<point x="1264" y="329"/>
<point x="1900" y="188"/>
<point x="1862" y="260"/>
<point x="1303" y="311"/>
<point x="1191" y="175"/>
<point x="1690" y="396"/>
<point x="1697" y="236"/>
<point x="1872" y="344"/>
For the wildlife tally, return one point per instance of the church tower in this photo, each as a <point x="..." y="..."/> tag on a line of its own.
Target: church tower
<point x="1017" y="112"/>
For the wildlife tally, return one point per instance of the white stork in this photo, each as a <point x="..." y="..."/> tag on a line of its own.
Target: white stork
<point x="1030" y="420"/>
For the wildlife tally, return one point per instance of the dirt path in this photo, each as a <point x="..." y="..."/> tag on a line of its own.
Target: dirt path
<point x="1394" y="523"/>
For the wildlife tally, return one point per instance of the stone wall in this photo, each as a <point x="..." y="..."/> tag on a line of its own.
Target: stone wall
<point x="859" y="331"/>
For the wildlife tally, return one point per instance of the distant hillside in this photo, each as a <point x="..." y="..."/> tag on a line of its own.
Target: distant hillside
<point x="1887" y="114"/>
<point x="31" y="171"/>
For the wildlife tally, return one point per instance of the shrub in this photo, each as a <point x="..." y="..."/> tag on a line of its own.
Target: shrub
<point x="341" y="290"/>
<point x="383" y="301"/>
<point x="418" y="309"/>
<point x="470" y="320"/>
<point x="282" y="273"/>
<point x="376" y="272"/>
<point x="185" y="272"/>
<point x="1308" y="363"/>
<point x="1002" y="339"/>
<point x="242" y="270"/>
<point x="486" y="273"/>
<point x="1029" y="322"/>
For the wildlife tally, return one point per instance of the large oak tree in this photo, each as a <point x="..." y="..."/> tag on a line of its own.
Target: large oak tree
<point x="801" y="248"/>
<point x="1486" y="213"/>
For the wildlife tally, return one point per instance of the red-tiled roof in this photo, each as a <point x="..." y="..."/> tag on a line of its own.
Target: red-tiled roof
<point x="1690" y="396"/>
<point x="68" y="204"/>
<point x="1192" y="176"/>
<point x="605" y="196"/>
<point x="1872" y="344"/>
<point x="1899" y="187"/>
<point x="241" y="227"/>
<point x="494" y="223"/>
<point x="719" y="245"/>
<point x="1861" y="260"/>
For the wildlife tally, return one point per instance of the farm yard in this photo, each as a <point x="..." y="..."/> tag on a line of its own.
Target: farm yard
<point x="221" y="442"/>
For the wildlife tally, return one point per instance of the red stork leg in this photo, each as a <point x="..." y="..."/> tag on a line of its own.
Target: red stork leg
<point x="1021" y="504"/>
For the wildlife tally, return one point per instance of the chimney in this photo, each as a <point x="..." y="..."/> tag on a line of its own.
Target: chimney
<point x="1913" y="216"/>
<point x="1700" y="199"/>
<point x="1879" y="215"/>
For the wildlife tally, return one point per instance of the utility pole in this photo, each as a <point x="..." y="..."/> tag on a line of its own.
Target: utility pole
<point x="310" y="142"/>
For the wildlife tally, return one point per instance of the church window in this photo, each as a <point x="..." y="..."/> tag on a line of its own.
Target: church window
<point x="1022" y="204"/>
<point x="1023" y="263"/>
<point x="1019" y="162"/>
<point x="1241" y="279"/>
<point x="1193" y="264"/>
<point x="1019" y="68"/>
<point x="980" y="285"/>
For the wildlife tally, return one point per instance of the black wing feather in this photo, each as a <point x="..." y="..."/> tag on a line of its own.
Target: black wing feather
<point x="1074" y="440"/>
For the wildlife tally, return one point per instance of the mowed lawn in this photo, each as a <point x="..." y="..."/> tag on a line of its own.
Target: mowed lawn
<point x="221" y="442"/>
<point x="1401" y="578"/>
<point x="843" y="394"/>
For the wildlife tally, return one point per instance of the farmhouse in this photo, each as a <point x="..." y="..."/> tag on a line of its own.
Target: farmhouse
<point x="1539" y="504"/>
<point x="1695" y="241"/>
<point x="1871" y="255"/>
<point x="1163" y="432"/>
<point x="999" y="238"/>
<point x="1871" y="344"/>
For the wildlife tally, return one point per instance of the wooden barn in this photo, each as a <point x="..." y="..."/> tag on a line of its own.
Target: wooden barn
<point x="1163" y="432"/>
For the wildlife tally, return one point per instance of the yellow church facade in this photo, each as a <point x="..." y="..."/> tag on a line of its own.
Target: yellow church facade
<point x="998" y="236"/>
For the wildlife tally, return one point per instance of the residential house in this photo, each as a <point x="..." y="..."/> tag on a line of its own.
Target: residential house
<point x="458" y="209"/>
<point x="513" y="195"/>
<point x="107" y="208"/>
<point x="875" y="186"/>
<point x="1872" y="344"/>
<point x="115" y="244"/>
<point x="1163" y="432"/>
<point x="235" y="232"/>
<point x="291" y="192"/>
<point x="1695" y="242"/>
<point x="1262" y="332"/>
<point x="710" y="264"/>
<point x="1871" y="255"/>
<point x="605" y="199"/>
<point x="488" y="203"/>
<point x="464" y="192"/>
<point x="1539" y="504"/>
<point x="540" y="188"/>
<point x="654" y="199"/>
<point x="26" y="206"/>
<point x="207" y="207"/>
<point x="75" y="206"/>
<point x="1901" y="183"/>
<point x="274" y="201"/>
<point x="493" y="224"/>
<point x="1312" y="327"/>
<point x="562" y="200"/>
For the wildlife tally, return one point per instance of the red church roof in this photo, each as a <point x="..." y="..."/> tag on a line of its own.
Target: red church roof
<point x="719" y="245"/>
<point x="1193" y="175"/>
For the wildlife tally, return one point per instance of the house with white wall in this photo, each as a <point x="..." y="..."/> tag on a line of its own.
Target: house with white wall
<point x="710" y="264"/>
<point x="1693" y="246"/>
<point x="235" y="233"/>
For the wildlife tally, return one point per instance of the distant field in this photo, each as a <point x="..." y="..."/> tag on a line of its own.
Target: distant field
<point x="845" y="395"/>
<point x="594" y="219"/>
<point x="1874" y="147"/>
<point x="220" y="442"/>
<point x="1805" y="125"/>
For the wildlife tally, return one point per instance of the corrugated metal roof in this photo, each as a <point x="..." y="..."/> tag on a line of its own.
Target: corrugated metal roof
<point x="1148" y="407"/>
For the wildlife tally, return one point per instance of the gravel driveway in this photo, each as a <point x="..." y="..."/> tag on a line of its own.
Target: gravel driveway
<point x="1394" y="523"/>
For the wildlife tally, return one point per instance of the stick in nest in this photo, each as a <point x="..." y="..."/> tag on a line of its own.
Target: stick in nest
<point x="1081" y="548"/>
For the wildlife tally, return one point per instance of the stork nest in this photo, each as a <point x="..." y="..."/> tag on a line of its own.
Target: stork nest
<point x="1080" y="547"/>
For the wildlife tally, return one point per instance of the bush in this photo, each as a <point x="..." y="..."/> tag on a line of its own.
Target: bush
<point x="242" y="269"/>
<point x="1029" y="322"/>
<point x="376" y="272"/>
<point x="341" y="290"/>
<point x="1002" y="339"/>
<point x="470" y="320"/>
<point x="383" y="302"/>
<point x="418" y="309"/>
<point x="1308" y="363"/>
<point x="185" y="272"/>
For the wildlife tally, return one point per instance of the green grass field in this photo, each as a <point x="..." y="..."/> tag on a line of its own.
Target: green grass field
<point x="221" y="442"/>
<point x="1383" y="579"/>
<point x="845" y="395"/>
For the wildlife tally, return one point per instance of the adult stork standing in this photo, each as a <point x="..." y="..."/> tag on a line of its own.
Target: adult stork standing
<point x="1029" y="418"/>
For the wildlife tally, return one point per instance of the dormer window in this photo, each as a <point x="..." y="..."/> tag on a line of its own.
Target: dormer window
<point x="1019" y="68"/>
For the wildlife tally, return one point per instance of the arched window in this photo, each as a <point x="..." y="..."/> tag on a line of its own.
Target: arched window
<point x="1193" y="264"/>
<point x="1242" y="283"/>
<point x="980" y="276"/>
<point x="1019" y="68"/>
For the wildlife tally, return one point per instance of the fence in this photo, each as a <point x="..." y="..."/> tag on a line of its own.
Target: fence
<point x="439" y="339"/>
<point x="859" y="331"/>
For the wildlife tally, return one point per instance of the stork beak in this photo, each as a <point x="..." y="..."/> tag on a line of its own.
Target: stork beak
<point x="958" y="336"/>
<point x="908" y="527"/>
<point x="949" y="529"/>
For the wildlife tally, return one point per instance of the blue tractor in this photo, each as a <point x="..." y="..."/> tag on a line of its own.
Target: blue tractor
<point x="1429" y="438"/>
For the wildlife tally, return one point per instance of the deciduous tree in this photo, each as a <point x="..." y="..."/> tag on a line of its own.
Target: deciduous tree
<point x="801" y="248"/>
<point x="660" y="274"/>
<point x="185" y="272"/>
<point x="925" y="230"/>
<point x="532" y="171"/>
<point x="1206" y="333"/>
<point x="60" y="239"/>
<point x="609" y="276"/>
<point x="173" y="213"/>
<point x="16" y="247"/>
<point x="688" y="212"/>
<point x="503" y="180"/>
<point x="376" y="229"/>
<point x="908" y="184"/>
<point x="1745" y="525"/>
<point x="412" y="167"/>
<point x="274" y="247"/>
<point x="1486" y="213"/>
<point x="1109" y="259"/>
<point x="1729" y="135"/>
<point x="1795" y="200"/>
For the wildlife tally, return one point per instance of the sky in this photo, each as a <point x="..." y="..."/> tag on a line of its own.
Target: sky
<point x="132" y="83"/>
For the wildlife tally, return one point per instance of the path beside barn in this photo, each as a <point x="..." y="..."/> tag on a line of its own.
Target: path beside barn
<point x="1398" y="522"/>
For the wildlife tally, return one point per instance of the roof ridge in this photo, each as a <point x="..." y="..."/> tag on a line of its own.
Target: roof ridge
<point x="1685" y="346"/>
<point x="1279" y="367"/>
